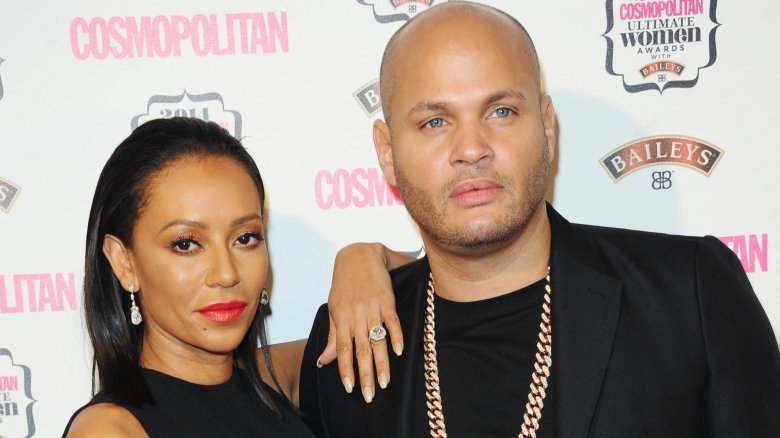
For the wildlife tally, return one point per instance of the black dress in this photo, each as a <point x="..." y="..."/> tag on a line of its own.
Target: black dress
<point x="229" y="409"/>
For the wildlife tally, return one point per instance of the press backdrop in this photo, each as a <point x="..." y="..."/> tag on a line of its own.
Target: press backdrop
<point x="666" y="109"/>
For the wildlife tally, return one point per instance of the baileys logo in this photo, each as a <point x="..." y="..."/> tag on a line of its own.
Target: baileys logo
<point x="680" y="150"/>
<point x="656" y="45"/>
<point x="9" y="191"/>
<point x="388" y="11"/>
<point x="368" y="96"/>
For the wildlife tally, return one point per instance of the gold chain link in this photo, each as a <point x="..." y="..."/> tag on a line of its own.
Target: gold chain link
<point x="539" y="377"/>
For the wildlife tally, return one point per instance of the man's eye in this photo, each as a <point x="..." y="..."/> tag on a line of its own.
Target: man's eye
<point x="435" y="123"/>
<point x="502" y="112"/>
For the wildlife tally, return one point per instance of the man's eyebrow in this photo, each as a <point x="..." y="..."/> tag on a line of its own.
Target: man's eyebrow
<point x="495" y="97"/>
<point x="429" y="106"/>
<point x="434" y="106"/>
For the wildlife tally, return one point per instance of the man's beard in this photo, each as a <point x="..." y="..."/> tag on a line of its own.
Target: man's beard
<point x="525" y="201"/>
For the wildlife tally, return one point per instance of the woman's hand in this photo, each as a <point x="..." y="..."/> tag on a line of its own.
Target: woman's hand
<point x="361" y="296"/>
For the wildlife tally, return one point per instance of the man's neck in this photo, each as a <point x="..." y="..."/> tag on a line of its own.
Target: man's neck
<point x="460" y="276"/>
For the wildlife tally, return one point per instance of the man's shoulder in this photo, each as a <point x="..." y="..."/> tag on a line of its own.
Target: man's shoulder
<point x="407" y="279"/>
<point x="652" y="250"/>
<point x="638" y="241"/>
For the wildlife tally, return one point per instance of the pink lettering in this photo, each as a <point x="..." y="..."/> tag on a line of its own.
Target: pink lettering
<point x="78" y="26"/>
<point x="750" y="250"/>
<point x="44" y="292"/>
<point x="114" y="24"/>
<point x="360" y="188"/>
<point x="758" y="252"/>
<point x="46" y="295"/>
<point x="162" y="26"/>
<point x="162" y="36"/>
<point x="18" y="304"/>
<point x="9" y="383"/>
<point x="278" y="31"/>
<point x="322" y="177"/>
<point x="180" y="31"/>
<point x="66" y="290"/>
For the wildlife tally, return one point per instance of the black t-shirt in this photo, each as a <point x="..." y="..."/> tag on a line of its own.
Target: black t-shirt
<point x="486" y="350"/>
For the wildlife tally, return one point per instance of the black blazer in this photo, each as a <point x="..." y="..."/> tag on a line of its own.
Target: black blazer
<point x="653" y="335"/>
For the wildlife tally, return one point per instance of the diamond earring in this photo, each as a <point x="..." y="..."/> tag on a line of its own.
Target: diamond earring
<point x="264" y="298"/>
<point x="135" y="312"/>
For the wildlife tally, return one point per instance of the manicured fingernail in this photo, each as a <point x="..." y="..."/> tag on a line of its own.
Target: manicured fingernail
<point x="368" y="394"/>
<point x="382" y="380"/>
<point x="319" y="363"/>
<point x="348" y="384"/>
<point x="398" y="349"/>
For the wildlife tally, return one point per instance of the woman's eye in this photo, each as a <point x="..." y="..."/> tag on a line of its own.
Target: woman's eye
<point x="184" y="245"/>
<point x="435" y="123"/>
<point x="502" y="112"/>
<point x="249" y="239"/>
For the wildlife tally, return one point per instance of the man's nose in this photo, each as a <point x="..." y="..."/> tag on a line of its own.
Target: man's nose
<point x="471" y="145"/>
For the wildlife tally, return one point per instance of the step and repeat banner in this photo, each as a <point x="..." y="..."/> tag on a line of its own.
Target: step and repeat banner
<point x="666" y="112"/>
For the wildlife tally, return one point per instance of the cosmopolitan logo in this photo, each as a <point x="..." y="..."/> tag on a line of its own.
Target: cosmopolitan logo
<point x="16" y="401"/>
<point x="655" y="45"/>
<point x="388" y="11"/>
<point x="369" y="98"/>
<point x="360" y="188"/>
<point x="9" y="191"/>
<point x="208" y="107"/>
<point x="165" y="36"/>
<point x="752" y="250"/>
<point x="685" y="151"/>
<point x="49" y="292"/>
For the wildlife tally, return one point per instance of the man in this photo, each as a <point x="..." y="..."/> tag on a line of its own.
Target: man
<point x="652" y="335"/>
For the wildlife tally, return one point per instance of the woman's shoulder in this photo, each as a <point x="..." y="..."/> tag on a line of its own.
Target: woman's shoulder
<point x="105" y="420"/>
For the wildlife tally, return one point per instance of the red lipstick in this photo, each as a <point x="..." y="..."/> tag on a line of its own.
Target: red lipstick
<point x="475" y="192"/>
<point x="224" y="313"/>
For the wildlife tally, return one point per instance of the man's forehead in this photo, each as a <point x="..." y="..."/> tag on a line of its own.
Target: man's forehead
<point x="487" y="97"/>
<point x="432" y="43"/>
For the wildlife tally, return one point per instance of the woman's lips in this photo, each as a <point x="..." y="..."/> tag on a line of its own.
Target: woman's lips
<point x="475" y="192"/>
<point x="224" y="312"/>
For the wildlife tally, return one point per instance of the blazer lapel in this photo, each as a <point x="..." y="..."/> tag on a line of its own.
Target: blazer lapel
<point x="585" y="312"/>
<point x="393" y="412"/>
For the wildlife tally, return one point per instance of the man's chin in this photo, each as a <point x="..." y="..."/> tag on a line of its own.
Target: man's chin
<point x="478" y="238"/>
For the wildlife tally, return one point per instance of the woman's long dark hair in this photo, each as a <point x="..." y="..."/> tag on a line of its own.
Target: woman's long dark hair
<point x="120" y="196"/>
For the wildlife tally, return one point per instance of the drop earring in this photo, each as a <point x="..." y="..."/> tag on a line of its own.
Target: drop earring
<point x="135" y="312"/>
<point x="264" y="298"/>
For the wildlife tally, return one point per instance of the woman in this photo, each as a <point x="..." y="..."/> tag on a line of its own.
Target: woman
<point x="177" y="219"/>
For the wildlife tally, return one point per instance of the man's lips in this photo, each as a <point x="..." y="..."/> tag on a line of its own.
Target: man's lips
<point x="475" y="192"/>
<point x="224" y="312"/>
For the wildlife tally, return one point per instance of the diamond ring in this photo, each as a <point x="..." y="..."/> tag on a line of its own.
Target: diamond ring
<point x="377" y="333"/>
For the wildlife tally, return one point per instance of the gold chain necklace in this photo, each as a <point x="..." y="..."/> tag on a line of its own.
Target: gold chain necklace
<point x="539" y="378"/>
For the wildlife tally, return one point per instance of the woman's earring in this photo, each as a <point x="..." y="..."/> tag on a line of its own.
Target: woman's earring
<point x="264" y="298"/>
<point x="135" y="312"/>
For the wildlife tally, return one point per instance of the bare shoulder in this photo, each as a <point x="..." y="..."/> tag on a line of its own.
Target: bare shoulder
<point x="106" y="420"/>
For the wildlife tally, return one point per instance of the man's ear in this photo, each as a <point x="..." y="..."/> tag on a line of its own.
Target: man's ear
<point x="384" y="150"/>
<point x="119" y="257"/>
<point x="548" y="120"/>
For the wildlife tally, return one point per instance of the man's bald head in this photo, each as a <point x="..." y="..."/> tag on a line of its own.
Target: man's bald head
<point x="464" y="15"/>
